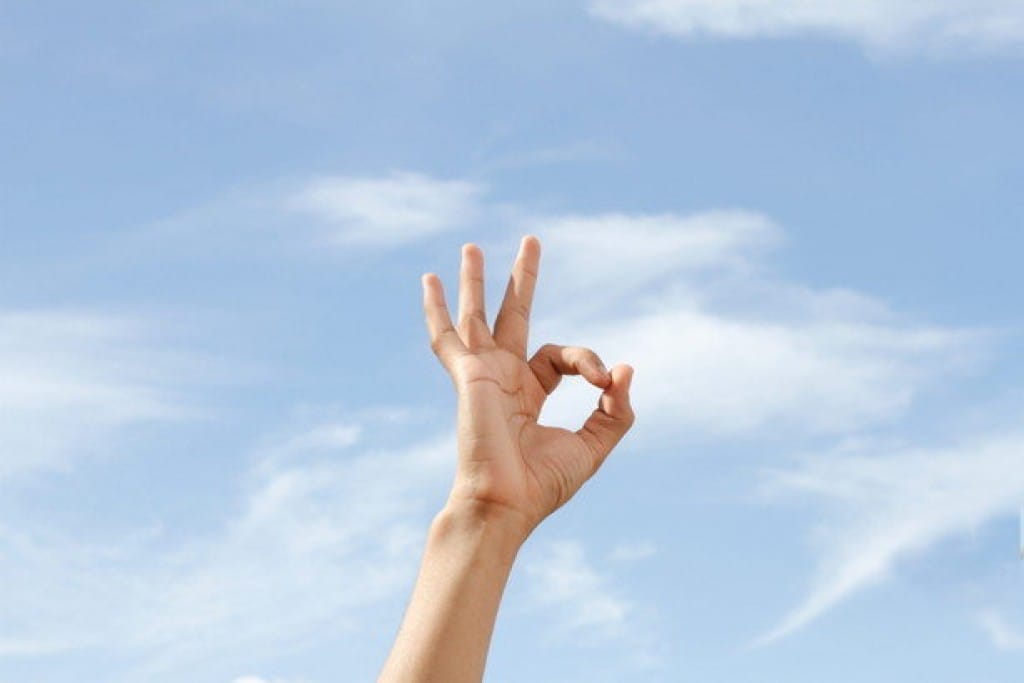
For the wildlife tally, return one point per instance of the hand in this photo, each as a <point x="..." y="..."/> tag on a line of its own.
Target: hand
<point x="508" y="463"/>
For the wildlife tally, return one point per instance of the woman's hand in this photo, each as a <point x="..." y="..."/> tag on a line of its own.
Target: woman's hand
<point x="509" y="465"/>
<point x="511" y="473"/>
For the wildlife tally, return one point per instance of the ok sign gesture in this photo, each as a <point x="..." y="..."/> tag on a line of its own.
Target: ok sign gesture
<point x="507" y="461"/>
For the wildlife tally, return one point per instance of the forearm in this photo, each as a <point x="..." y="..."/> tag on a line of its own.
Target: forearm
<point x="450" y="618"/>
<point x="504" y="455"/>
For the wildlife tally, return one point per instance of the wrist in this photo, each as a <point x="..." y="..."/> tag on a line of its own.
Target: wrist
<point x="498" y="529"/>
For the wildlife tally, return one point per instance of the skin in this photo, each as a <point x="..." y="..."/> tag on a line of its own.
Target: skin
<point x="511" y="473"/>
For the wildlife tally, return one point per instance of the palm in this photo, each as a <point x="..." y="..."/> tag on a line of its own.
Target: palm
<point x="504" y="398"/>
<point x="505" y="456"/>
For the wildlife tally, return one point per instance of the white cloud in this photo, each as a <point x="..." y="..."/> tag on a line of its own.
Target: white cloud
<point x="12" y="647"/>
<point x="595" y="257"/>
<point x="293" y="217"/>
<point x="722" y="347"/>
<point x="585" y="605"/>
<point x="398" y="209"/>
<point x="888" y="25"/>
<point x="327" y="526"/>
<point x="630" y="552"/>
<point x="332" y="527"/>
<point x="71" y="380"/>
<point x="326" y="529"/>
<point x="1003" y="635"/>
<point x="884" y="505"/>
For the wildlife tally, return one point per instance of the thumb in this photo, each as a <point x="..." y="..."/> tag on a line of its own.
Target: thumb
<point x="612" y="418"/>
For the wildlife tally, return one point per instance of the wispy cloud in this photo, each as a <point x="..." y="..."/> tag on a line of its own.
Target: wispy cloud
<point x="689" y="298"/>
<point x="71" y="380"/>
<point x="630" y="552"/>
<point x="721" y="345"/>
<point x="878" y="25"/>
<point x="397" y="209"/>
<point x="337" y="211"/>
<point x="572" y="153"/>
<point x="625" y="254"/>
<point x="584" y="605"/>
<point x="327" y="525"/>
<point x="1004" y="636"/>
<point x="883" y="505"/>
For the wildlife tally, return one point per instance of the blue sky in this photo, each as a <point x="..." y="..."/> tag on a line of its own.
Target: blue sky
<point x="223" y="433"/>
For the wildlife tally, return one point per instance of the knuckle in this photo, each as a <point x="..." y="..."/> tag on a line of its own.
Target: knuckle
<point x="581" y="353"/>
<point x="471" y="316"/>
<point x="629" y="418"/>
<point x="521" y="309"/>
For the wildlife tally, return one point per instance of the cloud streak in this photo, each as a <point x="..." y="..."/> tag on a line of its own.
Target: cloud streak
<point x="584" y="606"/>
<point x="885" y="505"/>
<point x="385" y="212"/>
<point x="721" y="346"/>
<point x="1000" y="632"/>
<point x="327" y="525"/>
<point x="339" y="212"/>
<point x="877" y="25"/>
<point x="724" y="348"/>
<point x="73" y="380"/>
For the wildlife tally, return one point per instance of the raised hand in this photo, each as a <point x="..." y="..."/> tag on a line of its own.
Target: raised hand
<point x="508" y="462"/>
<point x="511" y="473"/>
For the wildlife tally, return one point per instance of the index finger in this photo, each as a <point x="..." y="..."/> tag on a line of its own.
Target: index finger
<point x="512" y="326"/>
<point x="444" y="339"/>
